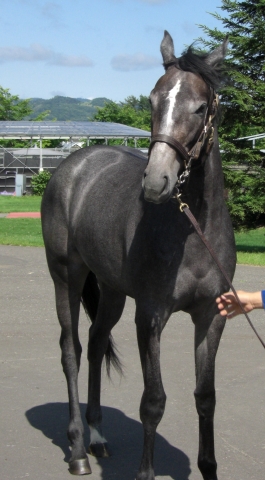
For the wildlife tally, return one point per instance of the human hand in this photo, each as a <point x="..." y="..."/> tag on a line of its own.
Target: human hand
<point x="228" y="305"/>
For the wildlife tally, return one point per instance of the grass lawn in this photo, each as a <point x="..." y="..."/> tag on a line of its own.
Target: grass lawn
<point x="21" y="231"/>
<point x="251" y="247"/>
<point x="27" y="231"/>
<point x="28" y="203"/>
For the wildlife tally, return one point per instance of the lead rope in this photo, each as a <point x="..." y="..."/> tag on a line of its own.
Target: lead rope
<point x="185" y="209"/>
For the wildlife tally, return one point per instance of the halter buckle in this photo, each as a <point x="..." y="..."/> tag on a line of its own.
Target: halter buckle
<point x="177" y="197"/>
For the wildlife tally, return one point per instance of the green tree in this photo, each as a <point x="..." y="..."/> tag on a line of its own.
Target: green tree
<point x="243" y="107"/>
<point x="39" y="182"/>
<point x="11" y="107"/>
<point x="41" y="116"/>
<point x="133" y="112"/>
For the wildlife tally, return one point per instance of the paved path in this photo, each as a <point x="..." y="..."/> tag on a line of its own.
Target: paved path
<point x="23" y="215"/>
<point x="20" y="215"/>
<point x="33" y="402"/>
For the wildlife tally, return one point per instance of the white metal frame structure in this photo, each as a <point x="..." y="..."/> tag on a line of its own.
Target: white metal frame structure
<point x="68" y="131"/>
<point x="71" y="131"/>
<point x="253" y="138"/>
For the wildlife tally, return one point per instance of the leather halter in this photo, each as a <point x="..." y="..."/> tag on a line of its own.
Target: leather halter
<point x="206" y="135"/>
<point x="170" y="141"/>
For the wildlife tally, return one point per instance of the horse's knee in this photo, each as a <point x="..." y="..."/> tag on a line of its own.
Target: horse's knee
<point x="152" y="407"/>
<point x="205" y="403"/>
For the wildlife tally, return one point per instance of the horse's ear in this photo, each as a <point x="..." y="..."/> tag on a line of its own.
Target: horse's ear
<point x="167" y="49"/>
<point x="217" y="56"/>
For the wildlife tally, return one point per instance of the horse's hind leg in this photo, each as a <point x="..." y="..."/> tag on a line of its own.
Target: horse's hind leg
<point x="68" y="287"/>
<point x="207" y="338"/>
<point x="110" y="308"/>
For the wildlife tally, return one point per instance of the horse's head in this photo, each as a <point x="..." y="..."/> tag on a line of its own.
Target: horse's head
<point x="182" y="103"/>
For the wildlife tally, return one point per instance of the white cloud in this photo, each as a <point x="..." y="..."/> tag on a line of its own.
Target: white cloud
<point x="70" y="60"/>
<point x="38" y="53"/>
<point x="30" y="54"/>
<point x="139" y="61"/>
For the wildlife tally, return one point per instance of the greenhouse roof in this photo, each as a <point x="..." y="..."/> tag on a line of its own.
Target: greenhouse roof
<point x="74" y="130"/>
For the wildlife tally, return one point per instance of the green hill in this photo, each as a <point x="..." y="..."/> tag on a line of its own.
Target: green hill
<point x="66" y="108"/>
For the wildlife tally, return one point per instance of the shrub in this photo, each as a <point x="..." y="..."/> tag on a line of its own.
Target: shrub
<point x="39" y="182"/>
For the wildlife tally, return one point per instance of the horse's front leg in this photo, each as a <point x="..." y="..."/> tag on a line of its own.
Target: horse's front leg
<point x="149" y="327"/>
<point x="207" y="338"/>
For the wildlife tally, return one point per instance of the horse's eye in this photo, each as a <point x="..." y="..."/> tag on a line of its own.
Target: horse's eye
<point x="201" y="109"/>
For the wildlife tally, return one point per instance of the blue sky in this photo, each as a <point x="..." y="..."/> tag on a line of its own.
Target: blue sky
<point x="93" y="48"/>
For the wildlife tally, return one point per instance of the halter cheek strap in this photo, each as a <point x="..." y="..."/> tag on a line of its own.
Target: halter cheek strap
<point x="205" y="136"/>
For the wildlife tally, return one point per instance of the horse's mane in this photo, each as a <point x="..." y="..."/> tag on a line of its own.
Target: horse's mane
<point x="195" y="63"/>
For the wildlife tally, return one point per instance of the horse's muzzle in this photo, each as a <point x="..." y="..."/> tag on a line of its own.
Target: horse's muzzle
<point x="158" y="191"/>
<point x="161" y="174"/>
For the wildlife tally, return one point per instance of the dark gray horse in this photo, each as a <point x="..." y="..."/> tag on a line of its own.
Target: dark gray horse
<point x="111" y="229"/>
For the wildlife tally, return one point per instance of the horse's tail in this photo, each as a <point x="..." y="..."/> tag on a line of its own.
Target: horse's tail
<point x="90" y="300"/>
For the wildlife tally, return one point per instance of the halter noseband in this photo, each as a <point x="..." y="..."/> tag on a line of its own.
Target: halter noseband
<point x="170" y="141"/>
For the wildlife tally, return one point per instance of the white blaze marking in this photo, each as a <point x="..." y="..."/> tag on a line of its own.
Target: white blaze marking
<point x="172" y="94"/>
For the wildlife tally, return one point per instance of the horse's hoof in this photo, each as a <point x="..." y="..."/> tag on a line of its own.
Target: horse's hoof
<point x="99" y="450"/>
<point x="80" y="467"/>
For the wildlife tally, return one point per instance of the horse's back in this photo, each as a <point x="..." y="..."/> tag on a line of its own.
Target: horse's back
<point x="92" y="168"/>
<point x="92" y="161"/>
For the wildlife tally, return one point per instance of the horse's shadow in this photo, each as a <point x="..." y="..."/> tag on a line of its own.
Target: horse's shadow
<point x="123" y="434"/>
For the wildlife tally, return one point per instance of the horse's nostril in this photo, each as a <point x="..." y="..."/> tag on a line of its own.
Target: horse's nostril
<point x="143" y="179"/>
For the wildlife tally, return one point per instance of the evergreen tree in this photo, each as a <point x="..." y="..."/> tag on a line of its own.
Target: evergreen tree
<point x="243" y="107"/>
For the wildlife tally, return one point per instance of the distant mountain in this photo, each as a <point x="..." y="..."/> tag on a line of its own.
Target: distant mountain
<point x="66" y="108"/>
